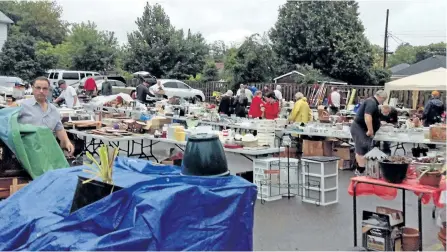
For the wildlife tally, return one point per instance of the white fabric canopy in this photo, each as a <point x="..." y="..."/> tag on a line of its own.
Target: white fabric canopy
<point x="431" y="80"/>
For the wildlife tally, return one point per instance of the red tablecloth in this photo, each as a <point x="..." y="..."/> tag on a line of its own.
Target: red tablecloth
<point x="388" y="191"/>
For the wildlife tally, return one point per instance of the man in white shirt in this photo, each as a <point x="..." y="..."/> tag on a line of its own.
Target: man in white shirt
<point x="335" y="101"/>
<point x="68" y="94"/>
<point x="278" y="93"/>
<point x="247" y="92"/>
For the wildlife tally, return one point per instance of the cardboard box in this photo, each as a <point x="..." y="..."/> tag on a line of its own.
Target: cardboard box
<point x="158" y="123"/>
<point x="343" y="153"/>
<point x="292" y="153"/>
<point x="380" y="230"/>
<point x="344" y="164"/>
<point x="317" y="148"/>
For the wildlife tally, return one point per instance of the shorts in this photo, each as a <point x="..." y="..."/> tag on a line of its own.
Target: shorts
<point x="362" y="142"/>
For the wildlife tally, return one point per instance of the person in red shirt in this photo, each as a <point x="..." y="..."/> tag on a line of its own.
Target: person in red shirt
<point x="90" y="86"/>
<point x="255" y="106"/>
<point x="271" y="107"/>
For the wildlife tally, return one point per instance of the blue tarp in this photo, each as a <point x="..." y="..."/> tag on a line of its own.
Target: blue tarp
<point x="158" y="210"/>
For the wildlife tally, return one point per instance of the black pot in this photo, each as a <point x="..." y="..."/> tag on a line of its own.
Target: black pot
<point x="393" y="173"/>
<point x="204" y="156"/>
<point x="90" y="192"/>
<point x="416" y="152"/>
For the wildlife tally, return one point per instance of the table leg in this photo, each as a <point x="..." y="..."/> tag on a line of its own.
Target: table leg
<point x="142" y="154"/>
<point x="354" y="206"/>
<point x="403" y="204"/>
<point x="178" y="146"/>
<point x="128" y="149"/>
<point x="150" y="150"/>
<point x="420" y="221"/>
<point x="288" y="172"/>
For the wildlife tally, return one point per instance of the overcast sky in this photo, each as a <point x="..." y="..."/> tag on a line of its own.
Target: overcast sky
<point x="417" y="22"/>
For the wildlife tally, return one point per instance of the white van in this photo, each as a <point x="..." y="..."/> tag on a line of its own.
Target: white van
<point x="69" y="77"/>
<point x="7" y="84"/>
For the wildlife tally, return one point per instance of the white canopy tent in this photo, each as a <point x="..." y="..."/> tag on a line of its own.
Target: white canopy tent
<point x="431" y="80"/>
<point x="435" y="79"/>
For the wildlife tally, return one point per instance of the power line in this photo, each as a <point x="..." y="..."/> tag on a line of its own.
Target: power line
<point x="420" y="36"/>
<point x="395" y="39"/>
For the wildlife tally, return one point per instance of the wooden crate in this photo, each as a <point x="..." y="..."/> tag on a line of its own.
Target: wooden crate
<point x="11" y="185"/>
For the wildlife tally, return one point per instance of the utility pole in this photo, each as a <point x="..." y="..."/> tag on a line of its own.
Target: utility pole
<point x="385" y="43"/>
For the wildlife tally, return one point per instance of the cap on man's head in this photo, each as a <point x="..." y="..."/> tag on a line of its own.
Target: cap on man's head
<point x="435" y="93"/>
<point x="60" y="82"/>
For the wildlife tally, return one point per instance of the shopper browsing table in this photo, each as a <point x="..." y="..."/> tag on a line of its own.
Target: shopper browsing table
<point x="271" y="107"/>
<point x="225" y="105"/>
<point x="37" y="111"/>
<point x="334" y="104"/>
<point x="388" y="115"/>
<point x="366" y="124"/>
<point x="68" y="94"/>
<point x="255" y="106"/>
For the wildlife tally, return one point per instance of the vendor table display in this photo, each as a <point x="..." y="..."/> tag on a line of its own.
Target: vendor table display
<point x="417" y="136"/>
<point x="138" y="139"/>
<point x="369" y="186"/>
<point x="97" y="140"/>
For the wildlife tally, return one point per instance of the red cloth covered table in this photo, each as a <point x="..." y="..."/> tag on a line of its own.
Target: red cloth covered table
<point x="368" y="186"/>
<point x="388" y="191"/>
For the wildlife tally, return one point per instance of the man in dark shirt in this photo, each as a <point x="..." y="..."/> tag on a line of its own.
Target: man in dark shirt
<point x="142" y="92"/>
<point x="366" y="124"/>
<point x="388" y="115"/>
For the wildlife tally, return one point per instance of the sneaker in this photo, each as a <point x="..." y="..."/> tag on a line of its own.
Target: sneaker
<point x="358" y="174"/>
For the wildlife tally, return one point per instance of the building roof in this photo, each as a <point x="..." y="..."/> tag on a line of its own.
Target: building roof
<point x="5" y="19"/>
<point x="425" y="65"/>
<point x="399" y="67"/>
<point x="287" y="74"/>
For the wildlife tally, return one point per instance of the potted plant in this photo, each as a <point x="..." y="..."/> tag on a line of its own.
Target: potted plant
<point x="430" y="175"/>
<point x="434" y="162"/>
<point x="90" y="190"/>
<point x="394" y="168"/>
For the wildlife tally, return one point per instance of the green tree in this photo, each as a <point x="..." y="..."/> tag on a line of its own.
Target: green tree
<point x="39" y="19"/>
<point x="93" y="49"/>
<point x="249" y="63"/>
<point x="378" y="76"/>
<point x="87" y="48"/>
<point x="24" y="57"/>
<point x="377" y="53"/>
<point x="218" y="49"/>
<point x="327" y="35"/>
<point x="210" y="72"/>
<point x="406" y="53"/>
<point x="162" y="50"/>
<point x="151" y="47"/>
<point x="191" y="55"/>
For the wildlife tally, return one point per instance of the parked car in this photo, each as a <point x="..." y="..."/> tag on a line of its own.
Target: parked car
<point x="70" y="77"/>
<point x="7" y="84"/>
<point x="178" y="88"/>
<point x="171" y="88"/>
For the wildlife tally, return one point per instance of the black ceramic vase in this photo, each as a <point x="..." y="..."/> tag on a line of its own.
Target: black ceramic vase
<point x="204" y="156"/>
<point x="89" y="193"/>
